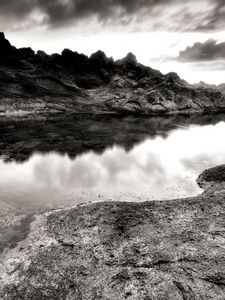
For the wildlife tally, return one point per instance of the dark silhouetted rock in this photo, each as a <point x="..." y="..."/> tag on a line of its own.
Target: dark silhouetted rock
<point x="42" y="54"/>
<point x="130" y="59"/>
<point x="99" y="58"/>
<point x="25" y="53"/>
<point x="6" y="49"/>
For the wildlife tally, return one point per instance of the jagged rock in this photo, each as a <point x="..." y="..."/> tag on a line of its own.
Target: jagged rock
<point x="129" y="59"/>
<point x="99" y="58"/>
<point x="154" y="97"/>
<point x="25" y="53"/>
<point x="129" y="83"/>
<point x="5" y="46"/>
<point x="73" y="58"/>
<point x="68" y="54"/>
<point x="184" y="102"/>
<point x="117" y="81"/>
<point x="42" y="54"/>
<point x="41" y="83"/>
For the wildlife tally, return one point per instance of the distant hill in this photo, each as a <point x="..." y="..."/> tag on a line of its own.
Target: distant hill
<point x="219" y="87"/>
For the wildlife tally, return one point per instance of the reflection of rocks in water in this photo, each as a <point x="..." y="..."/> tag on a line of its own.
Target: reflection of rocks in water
<point x="77" y="134"/>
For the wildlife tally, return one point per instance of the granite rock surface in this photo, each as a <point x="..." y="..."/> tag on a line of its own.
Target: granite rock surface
<point x="119" y="250"/>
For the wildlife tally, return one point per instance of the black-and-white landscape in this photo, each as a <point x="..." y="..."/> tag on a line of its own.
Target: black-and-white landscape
<point x="112" y="174"/>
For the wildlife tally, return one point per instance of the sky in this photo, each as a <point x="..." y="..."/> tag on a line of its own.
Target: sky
<point x="183" y="36"/>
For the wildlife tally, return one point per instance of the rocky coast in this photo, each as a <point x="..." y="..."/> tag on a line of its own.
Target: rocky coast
<point x="37" y="83"/>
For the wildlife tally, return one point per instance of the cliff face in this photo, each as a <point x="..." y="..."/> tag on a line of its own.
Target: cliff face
<point x="72" y="82"/>
<point x="167" y="250"/>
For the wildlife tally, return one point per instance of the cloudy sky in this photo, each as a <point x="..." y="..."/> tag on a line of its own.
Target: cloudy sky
<point x="185" y="36"/>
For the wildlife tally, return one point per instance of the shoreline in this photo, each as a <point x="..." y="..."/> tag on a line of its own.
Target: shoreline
<point x="32" y="114"/>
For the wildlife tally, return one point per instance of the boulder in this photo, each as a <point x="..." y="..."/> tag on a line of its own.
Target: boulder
<point x="213" y="177"/>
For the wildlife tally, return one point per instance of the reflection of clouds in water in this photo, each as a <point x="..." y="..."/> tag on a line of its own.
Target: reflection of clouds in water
<point x="157" y="168"/>
<point x="114" y="168"/>
<point x="152" y="167"/>
<point x="203" y="161"/>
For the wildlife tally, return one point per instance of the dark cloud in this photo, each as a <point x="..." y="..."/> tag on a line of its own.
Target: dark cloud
<point x="59" y="11"/>
<point x="203" y="52"/>
<point x="69" y="10"/>
<point x="215" y="18"/>
<point x="186" y="15"/>
<point x="19" y="8"/>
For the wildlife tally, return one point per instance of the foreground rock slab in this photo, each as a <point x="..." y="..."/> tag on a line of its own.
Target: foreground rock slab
<point x="152" y="250"/>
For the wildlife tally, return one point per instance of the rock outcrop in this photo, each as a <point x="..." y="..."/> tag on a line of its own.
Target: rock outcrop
<point x="38" y="83"/>
<point x="118" y="250"/>
<point x="6" y="48"/>
<point x="212" y="180"/>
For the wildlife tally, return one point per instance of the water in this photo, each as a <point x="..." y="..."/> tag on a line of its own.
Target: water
<point x="71" y="160"/>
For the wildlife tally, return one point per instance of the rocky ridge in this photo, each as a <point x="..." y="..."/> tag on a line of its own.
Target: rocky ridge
<point x="37" y="83"/>
<point x="219" y="87"/>
<point x="159" y="250"/>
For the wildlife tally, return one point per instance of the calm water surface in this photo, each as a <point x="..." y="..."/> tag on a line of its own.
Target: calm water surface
<point x="69" y="160"/>
<point x="56" y="164"/>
